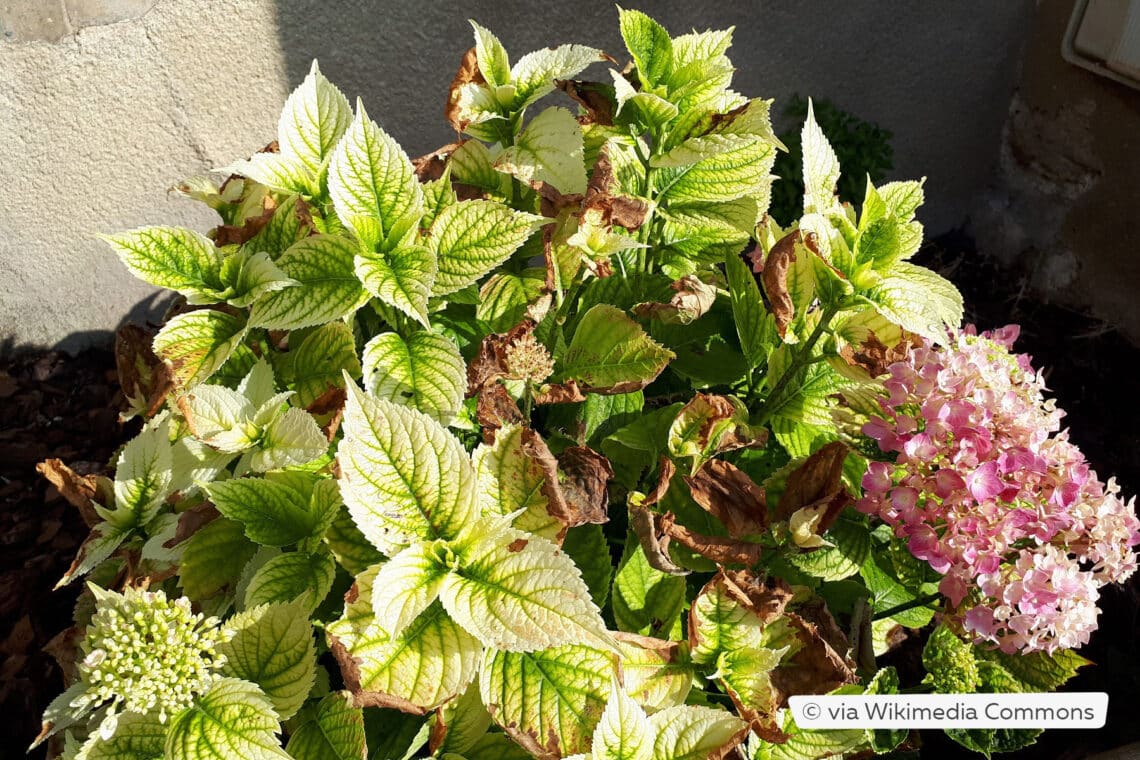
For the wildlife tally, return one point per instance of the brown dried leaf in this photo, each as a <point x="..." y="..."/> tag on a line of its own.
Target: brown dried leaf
<point x="816" y="668"/>
<point x="350" y="671"/>
<point x="722" y="425"/>
<point x="468" y="72"/>
<point x="693" y="300"/>
<point x="720" y="549"/>
<point x="654" y="543"/>
<point x="767" y="598"/>
<point x="490" y="363"/>
<point x="774" y="276"/>
<point x="817" y="485"/>
<point x="552" y="202"/>
<point x="432" y="165"/>
<point x="237" y="234"/>
<point x="560" y="393"/>
<point x="79" y="490"/>
<point x="613" y="207"/>
<point x="665" y="472"/>
<point x="191" y="521"/>
<point x="594" y="97"/>
<point x="142" y="375"/>
<point x="495" y="408"/>
<point x="874" y="357"/>
<point x="586" y="478"/>
<point x="729" y="495"/>
<point x="331" y="402"/>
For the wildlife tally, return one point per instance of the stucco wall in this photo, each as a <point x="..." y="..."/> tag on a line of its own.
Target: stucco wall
<point x="104" y="104"/>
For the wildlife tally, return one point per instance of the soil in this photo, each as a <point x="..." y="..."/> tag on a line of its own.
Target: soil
<point x="54" y="405"/>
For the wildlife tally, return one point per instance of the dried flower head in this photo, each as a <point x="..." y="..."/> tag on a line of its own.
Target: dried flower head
<point x="528" y="360"/>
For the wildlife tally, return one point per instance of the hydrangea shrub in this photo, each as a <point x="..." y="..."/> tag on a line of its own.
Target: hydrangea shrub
<point x="552" y="443"/>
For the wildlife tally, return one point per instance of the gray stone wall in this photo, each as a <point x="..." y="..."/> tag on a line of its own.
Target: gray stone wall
<point x="105" y="104"/>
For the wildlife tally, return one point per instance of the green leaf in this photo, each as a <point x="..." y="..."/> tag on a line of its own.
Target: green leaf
<point x="691" y="732"/>
<point x="143" y="476"/>
<point x="820" y="167"/>
<point x="277" y="171"/>
<point x="516" y="591"/>
<point x="315" y="116"/>
<point x="197" y="343"/>
<point x="136" y="737"/>
<point x="550" y="700"/>
<point x="951" y="667"/>
<point x="549" y="150"/>
<point x="407" y="584"/>
<point x="370" y="176"/>
<point x="351" y="549"/>
<point x="587" y="546"/>
<point x="508" y="480"/>
<point x="743" y="167"/>
<point x="918" y="300"/>
<point x="462" y="723"/>
<point x="649" y="44"/>
<point x="471" y="238"/>
<point x="332" y="731"/>
<point x="534" y="74"/>
<point x="645" y="600"/>
<point x="721" y="624"/>
<point x="233" y="719"/>
<point x="424" y="371"/>
<point x="654" y="111"/>
<point x="249" y="275"/>
<point x="494" y="64"/>
<point x="754" y="325"/>
<point x="272" y="646"/>
<point x="887" y="592"/>
<point x="472" y="164"/>
<point x="292" y="577"/>
<point x="327" y="289"/>
<point x="403" y="476"/>
<point x="402" y="277"/>
<point x="851" y="543"/>
<point x="290" y="222"/>
<point x="313" y="367"/>
<point x="1038" y="671"/>
<point x="610" y="353"/>
<point x="272" y="513"/>
<point x="430" y="662"/>
<point x="213" y="558"/>
<point x="174" y="258"/>
<point x="504" y="298"/>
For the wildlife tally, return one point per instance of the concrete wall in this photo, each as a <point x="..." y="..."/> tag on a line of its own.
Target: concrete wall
<point x="104" y="104"/>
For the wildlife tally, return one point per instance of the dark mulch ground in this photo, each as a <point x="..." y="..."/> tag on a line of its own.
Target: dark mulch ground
<point x="52" y="405"/>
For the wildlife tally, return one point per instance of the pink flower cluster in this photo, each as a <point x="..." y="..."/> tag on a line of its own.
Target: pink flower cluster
<point x="989" y="491"/>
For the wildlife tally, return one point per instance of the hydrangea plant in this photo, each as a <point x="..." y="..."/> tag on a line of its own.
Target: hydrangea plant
<point x="552" y="443"/>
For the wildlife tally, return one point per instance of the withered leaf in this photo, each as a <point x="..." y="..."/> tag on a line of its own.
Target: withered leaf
<point x="330" y="403"/>
<point x="613" y="207"/>
<point x="693" y="300"/>
<point x="552" y="202"/>
<point x="596" y="98"/>
<point x="874" y="357"/>
<point x="817" y="484"/>
<point x="722" y="550"/>
<point x="767" y="598"/>
<point x="191" y="521"/>
<point x="722" y="425"/>
<point x="432" y="165"/>
<point x="654" y="542"/>
<point x="665" y="472"/>
<point x="774" y="277"/>
<point x="560" y="393"/>
<point x="142" y="375"/>
<point x="728" y="494"/>
<point x="80" y="491"/>
<point x="816" y="668"/>
<point x="490" y="363"/>
<point x="350" y="671"/>
<point x="495" y="408"/>
<point x="237" y="234"/>
<point x="468" y="72"/>
<point x="587" y="476"/>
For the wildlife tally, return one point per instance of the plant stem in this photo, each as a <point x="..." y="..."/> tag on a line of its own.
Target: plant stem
<point x="802" y="359"/>
<point x="921" y="601"/>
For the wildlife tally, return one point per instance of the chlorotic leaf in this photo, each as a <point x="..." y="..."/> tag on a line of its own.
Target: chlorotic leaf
<point x="424" y="371"/>
<point x="327" y="289"/>
<point x="293" y="438"/>
<point x="691" y="732"/>
<point x="623" y="732"/>
<point x="315" y="116"/>
<point x="548" y="701"/>
<point x="313" y="367"/>
<point x="656" y="673"/>
<point x="610" y="353"/>
<point x="549" y="150"/>
<point x="406" y="585"/>
<point x="172" y="257"/>
<point x="645" y="600"/>
<point x="197" y="343"/>
<point x="403" y="476"/>
<point x="136" y="737"/>
<point x="820" y="167"/>
<point x="298" y="577"/>
<point x="143" y="476"/>
<point x="233" y="719"/>
<point x="494" y="64"/>
<point x="918" y="300"/>
<point x="742" y="167"/>
<point x="272" y="646"/>
<point x="507" y="480"/>
<point x="649" y="44"/>
<point x="278" y="171"/>
<point x="516" y="591"/>
<point x="401" y="277"/>
<point x="473" y="237"/>
<point x="534" y="74"/>
<point x="334" y="730"/>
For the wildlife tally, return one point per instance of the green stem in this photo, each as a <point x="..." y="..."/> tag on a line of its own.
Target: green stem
<point x="802" y="359"/>
<point x="921" y="601"/>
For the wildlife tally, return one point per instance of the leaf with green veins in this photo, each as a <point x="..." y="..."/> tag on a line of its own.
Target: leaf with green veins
<point x="654" y="110"/>
<point x="333" y="730"/>
<point x="172" y="257"/>
<point x="610" y="353"/>
<point x="351" y="549"/>
<point x="233" y="719"/>
<point x="213" y="558"/>
<point x="473" y="165"/>
<point x="719" y="623"/>
<point x="743" y="168"/>
<point x="508" y="479"/>
<point x="136" y="737"/>
<point x="902" y="199"/>
<point x="754" y="324"/>
<point x="99" y="545"/>
<point x="250" y="276"/>
<point x="645" y="600"/>
<point x="473" y="237"/>
<point x="587" y="546"/>
<point x="271" y="513"/>
<point x="315" y="116"/>
<point x="548" y="701"/>
<point x="293" y="438"/>
<point x="850" y="544"/>
<point x="438" y="195"/>
<point x="623" y="732"/>
<point x="534" y="74"/>
<point x="290" y="223"/>
<point x="197" y="343"/>
<point x="691" y="732"/>
<point x="401" y="277"/>
<point x="880" y="243"/>
<point x="699" y="148"/>
<point x="918" y="300"/>
<point x="656" y="673"/>
<point x="277" y="171"/>
<point x="370" y="176"/>
<point x="327" y="289"/>
<point x="887" y="592"/>
<point x="820" y="167"/>
<point x="429" y="663"/>
<point x="403" y="476"/>
<point x="1037" y="671"/>
<point x="292" y="577"/>
<point x="505" y="298"/>
<point x="649" y="44"/>
<point x="407" y="584"/>
<point x="424" y="371"/>
<point x="516" y="591"/>
<point x="312" y="367"/>
<point x="549" y="149"/>
<point x="143" y="477"/>
<point x="745" y="675"/>
<point x="272" y="647"/>
<point x="494" y="63"/>
<point x="701" y="46"/>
